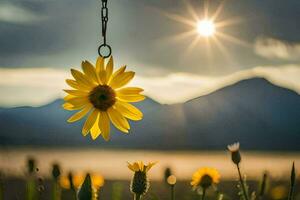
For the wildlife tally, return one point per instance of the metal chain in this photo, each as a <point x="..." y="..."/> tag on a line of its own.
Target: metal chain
<point x="104" y="19"/>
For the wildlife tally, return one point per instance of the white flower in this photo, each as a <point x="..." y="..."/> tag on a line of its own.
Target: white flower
<point x="234" y="147"/>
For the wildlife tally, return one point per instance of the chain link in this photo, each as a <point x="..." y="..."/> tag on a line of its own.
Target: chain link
<point x="104" y="20"/>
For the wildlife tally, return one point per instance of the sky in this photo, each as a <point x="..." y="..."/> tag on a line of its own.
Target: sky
<point x="40" y="40"/>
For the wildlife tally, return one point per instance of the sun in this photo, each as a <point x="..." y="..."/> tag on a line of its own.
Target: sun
<point x="206" y="28"/>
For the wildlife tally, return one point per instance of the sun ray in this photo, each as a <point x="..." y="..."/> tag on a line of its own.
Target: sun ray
<point x="193" y="44"/>
<point x="223" y="50"/>
<point x="229" y="22"/>
<point x="218" y="11"/>
<point x="208" y="51"/>
<point x="205" y="9"/>
<point x="177" y="37"/>
<point x="191" y="10"/>
<point x="180" y="18"/>
<point x="207" y="27"/>
<point x="233" y="39"/>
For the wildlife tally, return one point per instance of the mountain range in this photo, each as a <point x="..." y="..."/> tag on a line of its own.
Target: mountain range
<point x="258" y="114"/>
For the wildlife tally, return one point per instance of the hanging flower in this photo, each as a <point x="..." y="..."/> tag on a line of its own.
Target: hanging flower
<point x="140" y="183"/>
<point x="99" y="91"/>
<point x="205" y="177"/>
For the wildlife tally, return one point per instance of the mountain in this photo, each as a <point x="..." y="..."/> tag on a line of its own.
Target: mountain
<point x="255" y="112"/>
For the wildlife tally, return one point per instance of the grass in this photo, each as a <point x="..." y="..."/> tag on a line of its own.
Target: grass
<point x="33" y="187"/>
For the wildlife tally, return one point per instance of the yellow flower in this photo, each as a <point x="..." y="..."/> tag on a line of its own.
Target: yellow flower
<point x="140" y="166"/>
<point x="78" y="179"/>
<point x="205" y="177"/>
<point x="139" y="183"/>
<point x="98" y="91"/>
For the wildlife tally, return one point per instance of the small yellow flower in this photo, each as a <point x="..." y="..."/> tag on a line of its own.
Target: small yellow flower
<point x="98" y="91"/>
<point x="172" y="180"/>
<point x="205" y="177"/>
<point x="140" y="166"/>
<point x="139" y="183"/>
<point x="78" y="179"/>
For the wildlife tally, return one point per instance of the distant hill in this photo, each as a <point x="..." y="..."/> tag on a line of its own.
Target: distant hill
<point x="255" y="112"/>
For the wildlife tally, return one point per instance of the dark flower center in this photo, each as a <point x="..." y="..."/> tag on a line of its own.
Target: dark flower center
<point x="206" y="181"/>
<point x="102" y="97"/>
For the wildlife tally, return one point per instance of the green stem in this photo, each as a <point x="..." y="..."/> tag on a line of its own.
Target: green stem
<point x="31" y="192"/>
<point x="172" y="192"/>
<point x="242" y="183"/>
<point x="56" y="191"/>
<point x="1" y="191"/>
<point x="203" y="194"/>
<point x="137" y="197"/>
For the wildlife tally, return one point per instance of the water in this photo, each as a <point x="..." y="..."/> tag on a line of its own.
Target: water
<point x="112" y="164"/>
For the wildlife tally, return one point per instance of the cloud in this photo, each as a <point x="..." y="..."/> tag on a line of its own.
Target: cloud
<point x="30" y="86"/>
<point x="14" y="14"/>
<point x="37" y="86"/>
<point x="273" y="48"/>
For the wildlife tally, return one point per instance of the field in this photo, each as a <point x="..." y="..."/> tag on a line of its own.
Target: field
<point x="111" y="165"/>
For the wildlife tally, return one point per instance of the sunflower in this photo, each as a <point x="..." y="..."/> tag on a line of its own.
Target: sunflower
<point x="99" y="93"/>
<point x="205" y="177"/>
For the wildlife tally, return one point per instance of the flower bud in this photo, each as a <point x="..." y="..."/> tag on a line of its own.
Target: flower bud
<point x="171" y="180"/>
<point x="31" y="165"/>
<point x="236" y="157"/>
<point x="55" y="171"/>
<point x="235" y="153"/>
<point x="139" y="183"/>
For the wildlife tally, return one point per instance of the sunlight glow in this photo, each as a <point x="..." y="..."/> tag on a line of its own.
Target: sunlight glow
<point x="206" y="27"/>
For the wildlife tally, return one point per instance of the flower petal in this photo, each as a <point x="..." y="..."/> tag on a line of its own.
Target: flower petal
<point x="150" y="165"/>
<point x="68" y="106"/>
<point x="90" y="122"/>
<point x="118" y="120"/>
<point x="129" y="111"/>
<point x="121" y="79"/>
<point x="82" y="79"/>
<point x="131" y="98"/>
<point x="79" y="115"/>
<point x="130" y="91"/>
<point x="78" y="101"/>
<point x="100" y="64"/>
<point x="109" y="68"/>
<point x="130" y="166"/>
<point x="136" y="166"/>
<point x="104" y="125"/>
<point x="77" y="93"/>
<point x="119" y="71"/>
<point x="95" y="130"/>
<point x="75" y="85"/>
<point x="89" y="71"/>
<point x="102" y="77"/>
<point x="68" y="97"/>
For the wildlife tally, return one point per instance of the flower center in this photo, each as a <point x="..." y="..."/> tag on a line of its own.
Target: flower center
<point x="206" y="181"/>
<point x="102" y="97"/>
